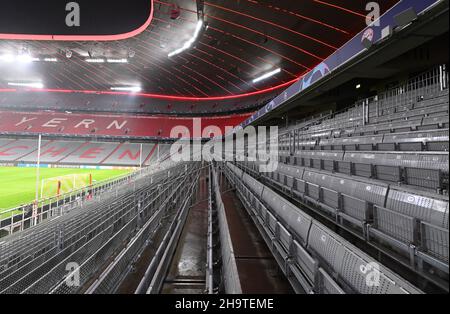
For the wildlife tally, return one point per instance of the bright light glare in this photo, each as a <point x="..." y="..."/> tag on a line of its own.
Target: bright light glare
<point x="190" y="42"/>
<point x="117" y="60"/>
<point x="95" y="60"/>
<point x="23" y="58"/>
<point x="31" y="85"/>
<point x="7" y="58"/>
<point x="134" y="89"/>
<point x="267" y="75"/>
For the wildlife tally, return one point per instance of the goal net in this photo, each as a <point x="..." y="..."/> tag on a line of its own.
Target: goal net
<point x="64" y="184"/>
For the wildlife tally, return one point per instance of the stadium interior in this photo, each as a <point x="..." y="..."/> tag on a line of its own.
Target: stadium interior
<point x="225" y="147"/>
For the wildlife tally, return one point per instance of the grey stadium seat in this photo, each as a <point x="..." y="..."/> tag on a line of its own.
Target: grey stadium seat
<point x="428" y="207"/>
<point x="433" y="140"/>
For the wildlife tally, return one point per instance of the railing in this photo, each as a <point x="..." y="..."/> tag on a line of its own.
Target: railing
<point x="210" y="244"/>
<point x="113" y="275"/>
<point x="48" y="208"/>
<point x="154" y="275"/>
<point x="432" y="81"/>
<point x="87" y="236"/>
<point x="429" y="82"/>
<point x="230" y="275"/>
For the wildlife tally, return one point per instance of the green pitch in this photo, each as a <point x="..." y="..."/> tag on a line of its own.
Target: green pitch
<point x="17" y="185"/>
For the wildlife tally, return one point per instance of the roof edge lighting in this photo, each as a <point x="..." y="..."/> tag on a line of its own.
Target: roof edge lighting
<point x="134" y="89"/>
<point x="38" y="85"/>
<point x="190" y="42"/>
<point x="22" y="58"/>
<point x="123" y="60"/>
<point x="267" y="75"/>
<point x="98" y="60"/>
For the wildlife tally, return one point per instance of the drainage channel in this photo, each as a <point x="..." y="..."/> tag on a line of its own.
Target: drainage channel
<point x="257" y="268"/>
<point x="187" y="272"/>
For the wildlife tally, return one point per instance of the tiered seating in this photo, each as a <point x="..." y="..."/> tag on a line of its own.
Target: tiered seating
<point x="34" y="260"/>
<point x="4" y="142"/>
<point x="14" y="150"/>
<point x="126" y="152"/>
<point x="431" y="114"/>
<point x="409" y="147"/>
<point x="424" y="169"/>
<point x="408" y="104"/>
<point x="387" y="180"/>
<point x="402" y="218"/>
<point x="126" y="126"/>
<point x="319" y="259"/>
<point x="52" y="151"/>
<point x="104" y="103"/>
<point x="90" y="153"/>
<point x="81" y="153"/>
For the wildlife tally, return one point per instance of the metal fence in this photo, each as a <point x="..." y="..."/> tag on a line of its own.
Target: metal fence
<point x="35" y="260"/>
<point x="49" y="208"/>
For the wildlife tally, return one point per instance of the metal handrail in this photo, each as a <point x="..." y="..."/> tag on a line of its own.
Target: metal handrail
<point x="57" y="205"/>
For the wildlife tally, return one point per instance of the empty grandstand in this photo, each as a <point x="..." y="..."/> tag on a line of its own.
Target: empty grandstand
<point x="226" y="147"/>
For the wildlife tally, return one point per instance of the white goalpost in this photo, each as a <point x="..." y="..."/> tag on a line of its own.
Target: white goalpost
<point x="55" y="186"/>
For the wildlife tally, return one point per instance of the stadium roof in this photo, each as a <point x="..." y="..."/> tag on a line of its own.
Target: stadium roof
<point x="225" y="55"/>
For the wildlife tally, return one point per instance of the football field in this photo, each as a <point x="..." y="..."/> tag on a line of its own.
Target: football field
<point x="18" y="185"/>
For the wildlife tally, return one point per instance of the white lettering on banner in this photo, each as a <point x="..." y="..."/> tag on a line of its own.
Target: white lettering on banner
<point x="54" y="123"/>
<point x="116" y="124"/>
<point x="86" y="123"/>
<point x="24" y="120"/>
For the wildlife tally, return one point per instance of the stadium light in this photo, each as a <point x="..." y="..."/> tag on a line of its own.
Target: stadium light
<point x="134" y="89"/>
<point x="267" y="75"/>
<point x="38" y="85"/>
<point x="22" y="58"/>
<point x="123" y="60"/>
<point x="90" y="60"/>
<point x="190" y="42"/>
<point x="26" y="58"/>
<point x="50" y="60"/>
<point x="7" y="58"/>
<point x="358" y="86"/>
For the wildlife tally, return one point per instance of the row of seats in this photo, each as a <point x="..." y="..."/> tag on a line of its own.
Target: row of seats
<point x="425" y="169"/>
<point x="35" y="260"/>
<point x="433" y="108"/>
<point x="413" y="99"/>
<point x="402" y="126"/>
<point x="77" y="102"/>
<point x="426" y="113"/>
<point x="402" y="217"/>
<point x="16" y="251"/>
<point x="81" y="152"/>
<point x="396" y="111"/>
<point x="434" y="140"/>
<point x="321" y="260"/>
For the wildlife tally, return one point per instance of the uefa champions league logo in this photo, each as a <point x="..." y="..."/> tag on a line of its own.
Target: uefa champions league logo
<point x="368" y="34"/>
<point x="263" y="143"/>
<point x="321" y="69"/>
